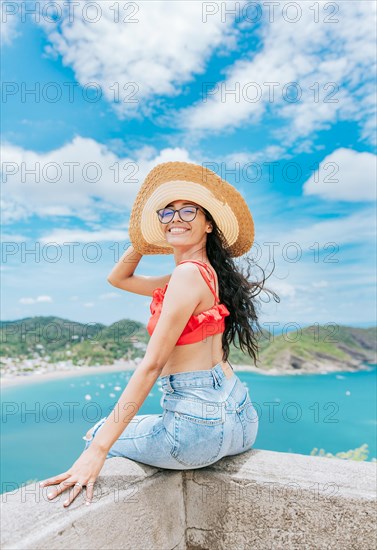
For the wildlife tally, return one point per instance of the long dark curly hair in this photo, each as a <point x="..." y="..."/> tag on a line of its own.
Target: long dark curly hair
<point x="237" y="293"/>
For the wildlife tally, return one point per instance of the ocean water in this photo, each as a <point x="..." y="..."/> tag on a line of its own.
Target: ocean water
<point x="42" y="423"/>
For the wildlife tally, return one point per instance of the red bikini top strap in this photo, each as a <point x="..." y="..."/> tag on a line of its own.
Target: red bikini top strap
<point x="204" y="273"/>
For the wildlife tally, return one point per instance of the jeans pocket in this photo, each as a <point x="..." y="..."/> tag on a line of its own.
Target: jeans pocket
<point x="196" y="441"/>
<point x="249" y="420"/>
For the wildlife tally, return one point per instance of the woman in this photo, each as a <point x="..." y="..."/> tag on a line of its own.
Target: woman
<point x="196" y="313"/>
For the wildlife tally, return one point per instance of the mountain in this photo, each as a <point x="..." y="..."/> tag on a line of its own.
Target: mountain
<point x="312" y="349"/>
<point x="319" y="348"/>
<point x="54" y="339"/>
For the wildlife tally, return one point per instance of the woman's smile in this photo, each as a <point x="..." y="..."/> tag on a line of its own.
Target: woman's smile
<point x="177" y="230"/>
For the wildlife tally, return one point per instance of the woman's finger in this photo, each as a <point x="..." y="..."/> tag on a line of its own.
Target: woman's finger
<point x="73" y="493"/>
<point x="89" y="492"/>
<point x="54" y="480"/>
<point x="63" y="486"/>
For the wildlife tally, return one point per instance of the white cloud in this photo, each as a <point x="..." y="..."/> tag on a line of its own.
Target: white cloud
<point x="158" y="49"/>
<point x="282" y="288"/>
<point x="76" y="179"/>
<point x="82" y="178"/>
<point x="359" y="227"/>
<point x="109" y="296"/>
<point x="306" y="52"/>
<point x="13" y="239"/>
<point x="344" y="175"/>
<point x="12" y="211"/>
<point x="39" y="299"/>
<point x="10" y="14"/>
<point x="268" y="154"/>
<point x="61" y="236"/>
<point x="320" y="284"/>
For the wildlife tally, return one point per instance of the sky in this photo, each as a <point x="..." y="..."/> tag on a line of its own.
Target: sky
<point x="279" y="99"/>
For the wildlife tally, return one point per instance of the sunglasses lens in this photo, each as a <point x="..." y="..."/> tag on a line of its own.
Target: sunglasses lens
<point x="188" y="214"/>
<point x="165" y="215"/>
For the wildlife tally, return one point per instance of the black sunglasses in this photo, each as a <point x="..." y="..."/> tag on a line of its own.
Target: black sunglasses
<point x="186" y="213"/>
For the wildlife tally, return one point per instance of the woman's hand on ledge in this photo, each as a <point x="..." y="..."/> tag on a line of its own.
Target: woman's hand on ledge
<point x="83" y="472"/>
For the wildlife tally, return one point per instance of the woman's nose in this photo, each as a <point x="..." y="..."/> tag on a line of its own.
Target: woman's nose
<point x="178" y="218"/>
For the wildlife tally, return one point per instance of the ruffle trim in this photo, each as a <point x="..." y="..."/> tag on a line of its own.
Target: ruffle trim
<point x="215" y="313"/>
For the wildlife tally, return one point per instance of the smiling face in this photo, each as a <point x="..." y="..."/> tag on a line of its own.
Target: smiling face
<point x="180" y="233"/>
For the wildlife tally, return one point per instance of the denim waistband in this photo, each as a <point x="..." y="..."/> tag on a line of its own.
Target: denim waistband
<point x="214" y="377"/>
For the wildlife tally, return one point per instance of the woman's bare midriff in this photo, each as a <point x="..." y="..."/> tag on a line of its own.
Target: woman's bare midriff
<point x="202" y="355"/>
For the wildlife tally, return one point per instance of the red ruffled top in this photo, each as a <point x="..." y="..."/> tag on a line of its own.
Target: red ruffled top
<point x="208" y="322"/>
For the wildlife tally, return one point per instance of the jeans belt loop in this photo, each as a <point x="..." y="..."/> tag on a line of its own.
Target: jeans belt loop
<point x="169" y="388"/>
<point x="217" y="382"/>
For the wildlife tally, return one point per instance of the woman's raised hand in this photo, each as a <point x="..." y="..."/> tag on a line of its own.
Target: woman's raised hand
<point x="83" y="472"/>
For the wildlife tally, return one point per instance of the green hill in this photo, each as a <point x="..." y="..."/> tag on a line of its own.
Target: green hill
<point x="318" y="348"/>
<point x="54" y="339"/>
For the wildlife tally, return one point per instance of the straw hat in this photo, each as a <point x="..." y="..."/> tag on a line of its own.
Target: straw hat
<point x="171" y="181"/>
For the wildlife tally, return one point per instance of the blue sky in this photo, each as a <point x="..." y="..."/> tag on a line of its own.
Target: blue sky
<point x="282" y="104"/>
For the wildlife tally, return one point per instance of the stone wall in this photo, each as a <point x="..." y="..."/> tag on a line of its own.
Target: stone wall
<point x="259" y="499"/>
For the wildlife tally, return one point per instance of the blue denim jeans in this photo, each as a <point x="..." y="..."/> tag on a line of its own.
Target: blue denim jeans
<point x="205" y="417"/>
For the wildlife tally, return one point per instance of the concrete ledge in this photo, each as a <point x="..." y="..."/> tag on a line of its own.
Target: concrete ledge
<point x="265" y="499"/>
<point x="128" y="511"/>
<point x="259" y="499"/>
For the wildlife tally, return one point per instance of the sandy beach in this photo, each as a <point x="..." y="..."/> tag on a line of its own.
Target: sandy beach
<point x="6" y="382"/>
<point x="37" y="377"/>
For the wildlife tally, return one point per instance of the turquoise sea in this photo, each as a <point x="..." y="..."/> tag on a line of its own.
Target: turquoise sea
<point x="42" y="423"/>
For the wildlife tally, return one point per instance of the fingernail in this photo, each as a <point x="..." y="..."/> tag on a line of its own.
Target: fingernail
<point x="66" y="502"/>
<point x="49" y="495"/>
<point x="41" y="484"/>
<point x="87" y="503"/>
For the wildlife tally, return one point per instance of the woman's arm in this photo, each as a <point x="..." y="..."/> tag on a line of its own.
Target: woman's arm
<point x="122" y="275"/>
<point x="181" y="298"/>
<point x="126" y="265"/>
